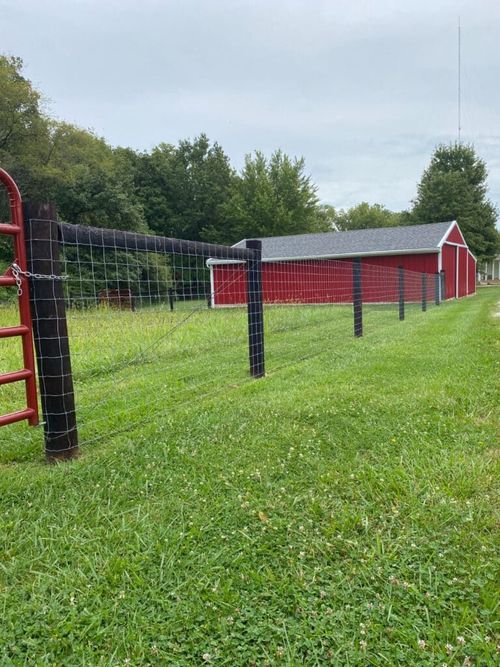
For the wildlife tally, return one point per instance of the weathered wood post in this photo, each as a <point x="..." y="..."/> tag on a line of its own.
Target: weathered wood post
<point x="50" y="332"/>
<point x="255" y="309"/>
<point x="357" y="297"/>
<point x="401" y="292"/>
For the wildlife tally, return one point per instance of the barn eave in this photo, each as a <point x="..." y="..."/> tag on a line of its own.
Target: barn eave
<point x="373" y="253"/>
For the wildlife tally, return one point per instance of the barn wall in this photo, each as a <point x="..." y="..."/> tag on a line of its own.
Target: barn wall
<point x="229" y="284"/>
<point x="472" y="274"/>
<point x="307" y="281"/>
<point x="455" y="236"/>
<point x="424" y="263"/>
<point x="466" y="271"/>
<point x="449" y="267"/>
<point x="381" y="278"/>
<point x="325" y="281"/>
<point x="462" y="271"/>
<point x="466" y="266"/>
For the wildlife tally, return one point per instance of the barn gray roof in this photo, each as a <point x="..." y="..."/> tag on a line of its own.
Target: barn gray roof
<point x="416" y="238"/>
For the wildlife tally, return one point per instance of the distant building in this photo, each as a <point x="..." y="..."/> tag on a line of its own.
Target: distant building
<point x="317" y="268"/>
<point x="490" y="271"/>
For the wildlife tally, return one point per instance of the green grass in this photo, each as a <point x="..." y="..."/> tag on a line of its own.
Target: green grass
<point x="349" y="497"/>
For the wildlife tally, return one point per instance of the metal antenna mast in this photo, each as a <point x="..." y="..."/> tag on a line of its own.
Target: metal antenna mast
<point x="459" y="84"/>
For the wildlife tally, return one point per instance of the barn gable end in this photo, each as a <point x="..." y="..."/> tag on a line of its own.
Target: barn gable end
<point x="454" y="235"/>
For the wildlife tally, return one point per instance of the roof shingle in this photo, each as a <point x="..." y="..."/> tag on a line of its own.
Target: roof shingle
<point x="356" y="242"/>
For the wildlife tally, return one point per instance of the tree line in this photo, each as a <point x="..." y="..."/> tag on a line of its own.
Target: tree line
<point x="190" y="190"/>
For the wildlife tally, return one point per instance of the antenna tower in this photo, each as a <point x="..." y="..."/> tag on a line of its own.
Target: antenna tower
<point x="459" y="82"/>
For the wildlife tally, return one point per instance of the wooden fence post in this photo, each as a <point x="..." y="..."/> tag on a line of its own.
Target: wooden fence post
<point x="50" y="332"/>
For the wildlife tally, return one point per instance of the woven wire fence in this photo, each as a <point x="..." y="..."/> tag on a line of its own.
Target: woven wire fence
<point x="157" y="343"/>
<point x="154" y="325"/>
<point x="312" y="306"/>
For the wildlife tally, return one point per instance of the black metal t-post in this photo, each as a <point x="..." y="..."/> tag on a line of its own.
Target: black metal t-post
<point x="443" y="285"/>
<point x="50" y="331"/>
<point x="437" y="298"/>
<point x="171" y="297"/>
<point x="357" y="297"/>
<point x="401" y="292"/>
<point x="424" y="292"/>
<point x="255" y="309"/>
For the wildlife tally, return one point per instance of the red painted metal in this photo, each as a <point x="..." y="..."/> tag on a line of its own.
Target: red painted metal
<point x="471" y="288"/>
<point x="8" y="228"/>
<point x="15" y="376"/>
<point x="16" y="230"/>
<point x="449" y="263"/>
<point x="7" y="280"/>
<point x="455" y="235"/>
<point x="462" y="271"/>
<point x="324" y="280"/>
<point x="8" y="332"/>
<point x="12" y="417"/>
<point x="327" y="281"/>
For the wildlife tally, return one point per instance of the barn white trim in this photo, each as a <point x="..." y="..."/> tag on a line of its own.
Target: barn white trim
<point x="374" y="253"/>
<point x="447" y="233"/>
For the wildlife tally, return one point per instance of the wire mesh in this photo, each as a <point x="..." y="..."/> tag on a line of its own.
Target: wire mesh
<point x="151" y="330"/>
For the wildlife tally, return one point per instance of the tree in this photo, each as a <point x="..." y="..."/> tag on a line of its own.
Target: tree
<point x="364" y="216"/>
<point x="453" y="187"/>
<point x="21" y="121"/>
<point x="82" y="174"/>
<point x="272" y="198"/>
<point x="182" y="188"/>
<point x="59" y="162"/>
<point x="327" y="215"/>
<point x="189" y="190"/>
<point x="23" y="129"/>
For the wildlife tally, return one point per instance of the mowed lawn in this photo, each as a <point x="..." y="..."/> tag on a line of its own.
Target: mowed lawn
<point x="341" y="511"/>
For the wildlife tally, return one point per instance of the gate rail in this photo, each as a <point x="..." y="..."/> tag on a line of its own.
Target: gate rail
<point x="11" y="278"/>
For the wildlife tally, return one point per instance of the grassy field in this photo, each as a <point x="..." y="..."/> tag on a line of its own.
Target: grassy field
<point x="130" y="368"/>
<point x="341" y="511"/>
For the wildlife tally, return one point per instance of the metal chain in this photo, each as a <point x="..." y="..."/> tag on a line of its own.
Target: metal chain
<point x="17" y="272"/>
<point x="18" y="280"/>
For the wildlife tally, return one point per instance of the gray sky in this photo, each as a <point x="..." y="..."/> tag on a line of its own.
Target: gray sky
<point x="364" y="90"/>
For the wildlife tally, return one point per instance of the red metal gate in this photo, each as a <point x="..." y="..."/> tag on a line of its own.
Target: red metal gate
<point x="13" y="278"/>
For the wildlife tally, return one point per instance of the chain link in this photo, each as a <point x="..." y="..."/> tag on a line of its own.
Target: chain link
<point x="17" y="272"/>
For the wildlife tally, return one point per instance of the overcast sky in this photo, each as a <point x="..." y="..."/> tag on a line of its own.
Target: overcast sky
<point x="363" y="90"/>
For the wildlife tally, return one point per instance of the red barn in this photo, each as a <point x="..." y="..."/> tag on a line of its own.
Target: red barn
<point x="317" y="268"/>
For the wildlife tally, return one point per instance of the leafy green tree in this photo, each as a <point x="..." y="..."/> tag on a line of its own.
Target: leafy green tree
<point x="272" y="198"/>
<point x="182" y="188"/>
<point x="365" y="216"/>
<point x="326" y="215"/>
<point x="453" y="187"/>
<point x="189" y="190"/>
<point x="24" y="131"/>
<point x="21" y="122"/>
<point x="95" y="196"/>
<point x="56" y="161"/>
<point x="147" y="275"/>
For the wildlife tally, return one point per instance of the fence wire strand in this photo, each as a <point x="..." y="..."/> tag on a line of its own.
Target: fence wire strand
<point x="152" y="330"/>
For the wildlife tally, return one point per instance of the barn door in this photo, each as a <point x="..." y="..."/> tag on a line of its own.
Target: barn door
<point x="15" y="276"/>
